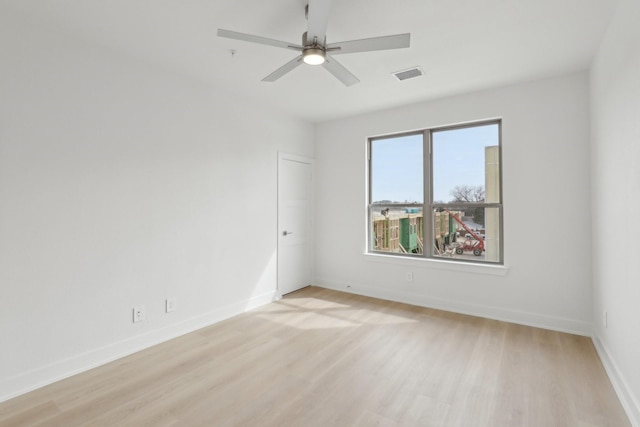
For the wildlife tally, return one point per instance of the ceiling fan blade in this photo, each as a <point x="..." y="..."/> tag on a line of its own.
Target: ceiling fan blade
<point x="257" y="39"/>
<point x="341" y="73"/>
<point x="283" y="70"/>
<point x="318" y="16"/>
<point x="375" y="43"/>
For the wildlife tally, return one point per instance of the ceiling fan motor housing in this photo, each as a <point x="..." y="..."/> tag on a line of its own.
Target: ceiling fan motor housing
<point x="312" y="43"/>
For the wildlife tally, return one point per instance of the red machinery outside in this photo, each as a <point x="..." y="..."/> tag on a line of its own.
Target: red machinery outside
<point x="476" y="246"/>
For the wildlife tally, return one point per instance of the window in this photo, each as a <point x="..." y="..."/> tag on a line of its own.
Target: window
<point x="441" y="186"/>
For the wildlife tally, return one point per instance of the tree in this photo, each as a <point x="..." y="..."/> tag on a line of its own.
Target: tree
<point x="478" y="216"/>
<point x="470" y="194"/>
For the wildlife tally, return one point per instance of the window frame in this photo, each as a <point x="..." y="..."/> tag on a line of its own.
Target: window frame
<point x="428" y="205"/>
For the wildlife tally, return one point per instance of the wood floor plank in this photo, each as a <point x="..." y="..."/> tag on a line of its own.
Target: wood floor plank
<point x="325" y="358"/>
<point x="31" y="414"/>
<point x="595" y="399"/>
<point x="473" y="401"/>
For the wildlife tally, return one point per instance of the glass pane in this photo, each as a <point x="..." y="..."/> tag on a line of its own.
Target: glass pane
<point x="396" y="170"/>
<point x="467" y="233"/>
<point x="466" y="165"/>
<point x="398" y="230"/>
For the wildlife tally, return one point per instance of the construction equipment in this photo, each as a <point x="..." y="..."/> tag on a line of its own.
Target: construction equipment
<point x="476" y="246"/>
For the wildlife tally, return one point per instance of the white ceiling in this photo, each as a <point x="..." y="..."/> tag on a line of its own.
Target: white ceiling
<point x="462" y="45"/>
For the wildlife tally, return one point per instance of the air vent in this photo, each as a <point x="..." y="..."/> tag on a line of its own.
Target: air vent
<point x="408" y="74"/>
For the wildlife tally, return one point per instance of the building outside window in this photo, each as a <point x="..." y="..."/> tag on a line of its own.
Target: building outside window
<point x="436" y="193"/>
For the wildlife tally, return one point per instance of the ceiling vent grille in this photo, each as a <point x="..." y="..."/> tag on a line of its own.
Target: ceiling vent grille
<point x="408" y="74"/>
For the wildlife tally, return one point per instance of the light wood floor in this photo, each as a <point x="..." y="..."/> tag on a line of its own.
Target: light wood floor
<point x="326" y="358"/>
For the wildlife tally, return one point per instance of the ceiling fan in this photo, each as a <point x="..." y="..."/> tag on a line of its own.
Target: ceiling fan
<point x="314" y="48"/>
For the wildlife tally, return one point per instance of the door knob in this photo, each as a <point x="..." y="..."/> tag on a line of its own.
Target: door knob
<point x="285" y="232"/>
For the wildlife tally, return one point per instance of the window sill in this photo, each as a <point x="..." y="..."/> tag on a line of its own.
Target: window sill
<point x="490" y="269"/>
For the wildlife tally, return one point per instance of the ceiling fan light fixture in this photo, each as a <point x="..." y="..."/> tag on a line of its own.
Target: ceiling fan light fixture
<point x="313" y="56"/>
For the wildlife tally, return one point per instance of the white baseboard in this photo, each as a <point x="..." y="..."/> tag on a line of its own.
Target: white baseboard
<point x="56" y="371"/>
<point x="628" y="400"/>
<point x="507" y="315"/>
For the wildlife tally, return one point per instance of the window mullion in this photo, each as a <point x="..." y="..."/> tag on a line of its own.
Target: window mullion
<point x="427" y="212"/>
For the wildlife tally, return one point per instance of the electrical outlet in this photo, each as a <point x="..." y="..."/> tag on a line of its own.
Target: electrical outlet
<point x="139" y="313"/>
<point x="410" y="277"/>
<point x="171" y="305"/>
<point x="606" y="320"/>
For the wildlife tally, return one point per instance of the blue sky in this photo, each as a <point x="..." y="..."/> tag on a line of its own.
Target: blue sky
<point x="458" y="159"/>
<point x="396" y="166"/>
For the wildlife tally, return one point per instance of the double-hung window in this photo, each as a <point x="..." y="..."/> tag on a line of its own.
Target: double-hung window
<point x="437" y="193"/>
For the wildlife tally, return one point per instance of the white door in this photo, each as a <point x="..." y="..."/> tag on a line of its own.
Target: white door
<point x="294" y="222"/>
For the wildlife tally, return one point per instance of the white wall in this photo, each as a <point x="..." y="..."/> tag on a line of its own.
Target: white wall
<point x="546" y="208"/>
<point x="615" y="112"/>
<point x="123" y="184"/>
